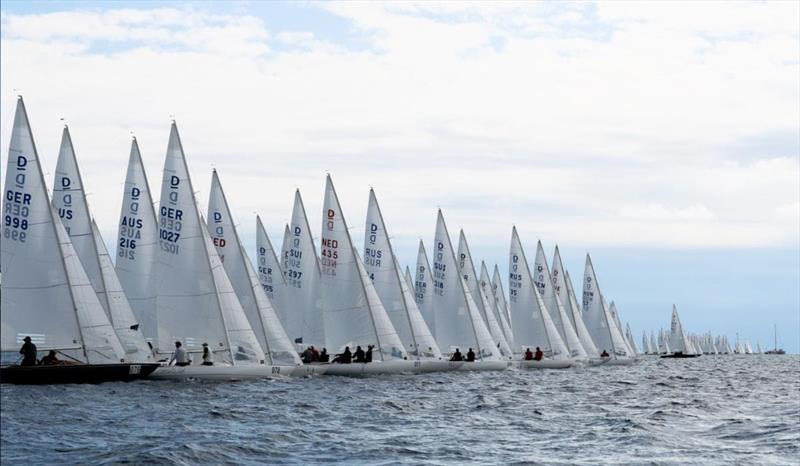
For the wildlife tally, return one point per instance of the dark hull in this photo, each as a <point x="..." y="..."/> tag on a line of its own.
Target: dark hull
<point x="78" y="373"/>
<point x="681" y="356"/>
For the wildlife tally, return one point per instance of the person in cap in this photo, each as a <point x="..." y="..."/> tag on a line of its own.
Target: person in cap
<point x="28" y="352"/>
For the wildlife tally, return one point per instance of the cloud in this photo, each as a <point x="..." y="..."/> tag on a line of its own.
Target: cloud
<point x="585" y="124"/>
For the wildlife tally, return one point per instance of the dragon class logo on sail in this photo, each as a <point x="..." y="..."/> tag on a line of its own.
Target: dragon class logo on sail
<point x="17" y="205"/>
<point x="372" y="256"/>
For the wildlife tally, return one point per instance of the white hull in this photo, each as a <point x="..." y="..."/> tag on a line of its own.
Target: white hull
<point x="221" y="373"/>
<point x="486" y="366"/>
<point x="545" y="364"/>
<point x="431" y="365"/>
<point x="308" y="370"/>
<point x="376" y="367"/>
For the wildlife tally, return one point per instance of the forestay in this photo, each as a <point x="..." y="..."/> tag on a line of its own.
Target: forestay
<point x="304" y="323"/>
<point x="530" y="320"/>
<point x="196" y="303"/>
<point x="46" y="293"/>
<point x="137" y="245"/>
<point x="544" y="283"/>
<point x="395" y="294"/>
<point x="562" y="285"/>
<point x="598" y="319"/>
<point x="352" y="311"/>
<point x="458" y="321"/>
<point x="466" y="267"/>
<point x="257" y="306"/>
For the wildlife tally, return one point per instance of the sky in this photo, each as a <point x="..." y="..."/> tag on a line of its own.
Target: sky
<point x="662" y="138"/>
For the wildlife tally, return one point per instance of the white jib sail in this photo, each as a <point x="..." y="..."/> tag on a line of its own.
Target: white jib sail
<point x="531" y="322"/>
<point x="544" y="283"/>
<point x="598" y="319"/>
<point x="382" y="267"/>
<point x="304" y="323"/>
<point x="612" y="310"/>
<point x="653" y="344"/>
<point x="467" y="268"/>
<point x="459" y="324"/>
<point x="490" y="302"/>
<point x="352" y="312"/>
<point x="502" y="303"/>
<point x="562" y="285"/>
<point x="270" y="272"/>
<point x="196" y="303"/>
<point x="137" y="246"/>
<point x="646" y="344"/>
<point x="423" y="288"/>
<point x="678" y="341"/>
<point x="69" y="200"/>
<point x="46" y="293"/>
<point x="631" y="342"/>
<point x="257" y="306"/>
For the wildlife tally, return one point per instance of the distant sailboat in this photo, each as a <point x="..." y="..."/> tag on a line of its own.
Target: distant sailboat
<point x="678" y="340"/>
<point x="775" y="349"/>
<point x="629" y="338"/>
<point x="499" y="293"/>
<point x="49" y="297"/>
<point x="599" y="320"/>
<point x="562" y="285"/>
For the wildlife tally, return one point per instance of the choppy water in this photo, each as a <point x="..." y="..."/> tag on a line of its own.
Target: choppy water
<point x="715" y="410"/>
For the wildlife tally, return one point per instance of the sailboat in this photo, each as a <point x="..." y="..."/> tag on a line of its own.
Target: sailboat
<point x="678" y="341"/>
<point x="396" y="295"/>
<point x="69" y="200"/>
<point x="646" y="344"/>
<point x="351" y="309"/>
<point x="459" y="325"/>
<point x="499" y="293"/>
<point x="196" y="302"/>
<point x="423" y="288"/>
<point x="46" y="293"/>
<point x="467" y="268"/>
<point x="491" y="302"/>
<point x="562" y="285"/>
<point x="544" y="283"/>
<point x="303" y="310"/>
<point x="612" y="309"/>
<point x="137" y="246"/>
<point x="629" y="338"/>
<point x="270" y="273"/>
<point x="531" y="322"/>
<point x="279" y="351"/>
<point x="775" y="349"/>
<point x="600" y="322"/>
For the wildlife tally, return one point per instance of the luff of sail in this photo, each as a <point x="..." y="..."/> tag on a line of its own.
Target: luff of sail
<point x="384" y="271"/>
<point x="352" y="311"/>
<point x="137" y="245"/>
<point x="257" y="306"/>
<point x="48" y="296"/>
<point x="531" y="321"/>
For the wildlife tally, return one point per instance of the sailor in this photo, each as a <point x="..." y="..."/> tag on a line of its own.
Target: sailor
<point x="368" y="356"/>
<point x="180" y="356"/>
<point x="539" y="354"/>
<point x="470" y="355"/>
<point x="346" y="357"/>
<point x="324" y="356"/>
<point x="314" y="354"/>
<point x="360" y="356"/>
<point x="51" y="359"/>
<point x="528" y="354"/>
<point x="28" y="352"/>
<point x="208" y="355"/>
<point x="457" y="356"/>
<point x="604" y="354"/>
<point x="305" y="356"/>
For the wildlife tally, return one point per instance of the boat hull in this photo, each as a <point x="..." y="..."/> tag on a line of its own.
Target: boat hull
<point x="612" y="362"/>
<point x="545" y="364"/>
<point x="486" y="366"/>
<point x="222" y="373"/>
<point x="426" y="366"/>
<point x="357" y="369"/>
<point x="75" y="373"/>
<point x="680" y="356"/>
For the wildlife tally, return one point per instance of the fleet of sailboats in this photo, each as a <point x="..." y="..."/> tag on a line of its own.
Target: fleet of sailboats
<point x="180" y="278"/>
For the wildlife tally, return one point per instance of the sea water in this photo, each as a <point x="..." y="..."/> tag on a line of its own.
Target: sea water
<point x="709" y="410"/>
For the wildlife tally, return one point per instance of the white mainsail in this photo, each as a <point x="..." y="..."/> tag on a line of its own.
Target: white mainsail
<point x="46" y="293"/>
<point x="653" y="344"/>
<point x="562" y="285"/>
<point x="499" y="293"/>
<point x="598" y="319"/>
<point x="646" y="344"/>
<point x="69" y="200"/>
<point x="270" y="272"/>
<point x="137" y="245"/>
<point x="467" y="268"/>
<point x="544" y="283"/>
<point x="531" y="321"/>
<point x="458" y="322"/>
<point x="678" y="340"/>
<point x="352" y="311"/>
<point x="423" y="286"/>
<point x="398" y="300"/>
<point x="410" y="283"/>
<point x="491" y="302"/>
<point x="196" y="302"/>
<point x="304" y="323"/>
<point x="257" y="306"/>
<point x="612" y="309"/>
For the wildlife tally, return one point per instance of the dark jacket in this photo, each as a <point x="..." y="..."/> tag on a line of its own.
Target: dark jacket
<point x="28" y="352"/>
